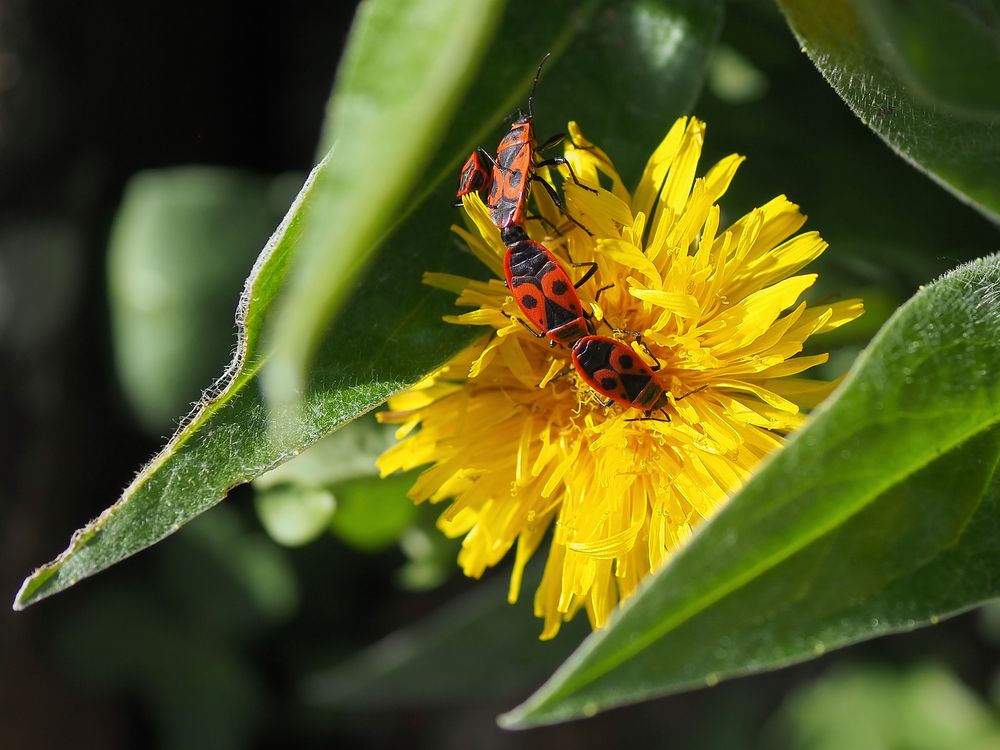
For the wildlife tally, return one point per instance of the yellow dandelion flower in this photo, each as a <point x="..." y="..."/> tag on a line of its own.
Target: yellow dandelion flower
<point x="518" y="447"/>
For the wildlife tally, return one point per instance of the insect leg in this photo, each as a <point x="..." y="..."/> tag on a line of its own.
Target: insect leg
<point x="691" y="393"/>
<point x="559" y="204"/>
<point x="648" y="418"/>
<point x="637" y="336"/>
<point x="539" y="217"/>
<point x="597" y="294"/>
<point x="528" y="328"/>
<point x="560" y="161"/>
<point x="553" y="140"/>
<point x="563" y="373"/>
<point x="592" y="269"/>
<point x="487" y="155"/>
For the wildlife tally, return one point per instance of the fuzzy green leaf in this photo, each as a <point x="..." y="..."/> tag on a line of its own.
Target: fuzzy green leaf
<point x="880" y="515"/>
<point x="948" y="52"/>
<point x="962" y="154"/>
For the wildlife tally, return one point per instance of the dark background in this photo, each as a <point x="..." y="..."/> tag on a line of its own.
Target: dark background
<point x="166" y="650"/>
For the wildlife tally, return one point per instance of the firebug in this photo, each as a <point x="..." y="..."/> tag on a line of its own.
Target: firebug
<point x="545" y="294"/>
<point x="615" y="371"/>
<point x="513" y="172"/>
<point x="476" y="176"/>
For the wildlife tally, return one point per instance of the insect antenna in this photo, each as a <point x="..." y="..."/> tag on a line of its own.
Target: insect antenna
<point x="534" y="83"/>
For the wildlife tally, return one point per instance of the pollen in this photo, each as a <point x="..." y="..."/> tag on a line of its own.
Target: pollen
<point x="516" y="447"/>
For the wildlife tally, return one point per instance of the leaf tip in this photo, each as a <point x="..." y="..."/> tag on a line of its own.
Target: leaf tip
<point x="31" y="590"/>
<point x="22" y="599"/>
<point x="511" y="720"/>
<point x="530" y="714"/>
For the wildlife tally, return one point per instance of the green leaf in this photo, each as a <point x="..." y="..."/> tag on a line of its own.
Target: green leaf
<point x="347" y="454"/>
<point x="880" y="515"/>
<point x="886" y="232"/>
<point x="294" y="515"/>
<point x="180" y="246"/>
<point x="392" y="333"/>
<point x="404" y="70"/>
<point x="961" y="154"/>
<point x="639" y="65"/>
<point x="924" y="708"/>
<point x="457" y="645"/>
<point x="334" y="485"/>
<point x="372" y="513"/>
<point x="947" y="52"/>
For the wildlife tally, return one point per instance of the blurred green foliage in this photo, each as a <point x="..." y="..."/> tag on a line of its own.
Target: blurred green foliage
<point x="180" y="248"/>
<point x="39" y="283"/>
<point x="446" y="659"/>
<point x="923" y="707"/>
<point x="334" y="485"/>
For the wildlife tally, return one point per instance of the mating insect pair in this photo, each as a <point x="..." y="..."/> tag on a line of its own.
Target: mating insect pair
<point x="547" y="297"/>
<point x="537" y="280"/>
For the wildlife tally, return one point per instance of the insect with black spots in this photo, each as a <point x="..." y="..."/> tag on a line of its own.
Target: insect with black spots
<point x="545" y="294"/>
<point x="513" y="172"/>
<point x="505" y="187"/>
<point x="476" y="176"/>
<point x="616" y="372"/>
<point x="548" y="299"/>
